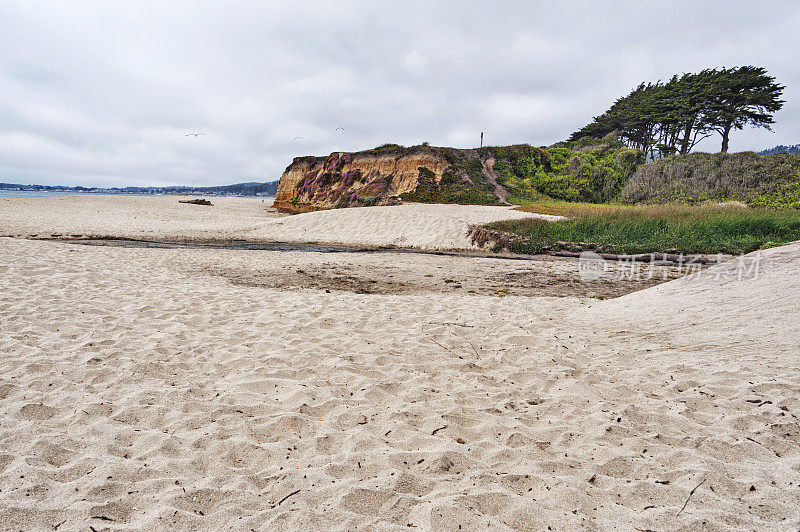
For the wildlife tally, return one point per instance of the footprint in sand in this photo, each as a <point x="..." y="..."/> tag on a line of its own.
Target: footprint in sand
<point x="37" y="412"/>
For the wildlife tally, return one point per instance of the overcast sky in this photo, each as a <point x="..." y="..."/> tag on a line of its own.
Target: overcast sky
<point x="103" y="93"/>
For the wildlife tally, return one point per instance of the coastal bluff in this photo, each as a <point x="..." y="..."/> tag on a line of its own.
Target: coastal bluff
<point x="389" y="175"/>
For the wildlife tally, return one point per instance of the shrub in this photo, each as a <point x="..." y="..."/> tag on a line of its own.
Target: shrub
<point x="772" y="180"/>
<point x="389" y="146"/>
<point x="595" y="172"/>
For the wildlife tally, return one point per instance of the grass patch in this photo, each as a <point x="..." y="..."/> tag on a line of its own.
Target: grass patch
<point x="566" y="208"/>
<point x="657" y="228"/>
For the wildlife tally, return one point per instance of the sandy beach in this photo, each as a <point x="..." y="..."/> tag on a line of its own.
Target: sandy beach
<point x="209" y="389"/>
<point x="163" y="218"/>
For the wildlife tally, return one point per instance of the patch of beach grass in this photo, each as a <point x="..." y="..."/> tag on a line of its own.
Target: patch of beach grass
<point x="705" y="229"/>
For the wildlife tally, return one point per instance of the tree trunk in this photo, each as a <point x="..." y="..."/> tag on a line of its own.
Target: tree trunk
<point x="685" y="147"/>
<point x="726" y="133"/>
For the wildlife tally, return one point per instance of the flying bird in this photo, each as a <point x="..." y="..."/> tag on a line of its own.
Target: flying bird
<point x="298" y="138"/>
<point x="338" y="128"/>
<point x="195" y="135"/>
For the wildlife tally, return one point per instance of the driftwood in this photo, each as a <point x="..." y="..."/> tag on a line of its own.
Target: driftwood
<point x="642" y="257"/>
<point x="196" y="202"/>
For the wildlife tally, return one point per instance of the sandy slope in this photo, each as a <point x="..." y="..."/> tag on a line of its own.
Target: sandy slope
<point x="135" y="388"/>
<point x="409" y="225"/>
<point x="163" y="218"/>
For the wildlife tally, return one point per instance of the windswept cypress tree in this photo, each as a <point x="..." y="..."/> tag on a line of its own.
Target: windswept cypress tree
<point x="742" y="96"/>
<point x="665" y="118"/>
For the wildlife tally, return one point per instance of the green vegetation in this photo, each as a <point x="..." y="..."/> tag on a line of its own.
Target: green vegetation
<point x="645" y="229"/>
<point x="451" y="188"/>
<point x="606" y="171"/>
<point x="389" y="146"/>
<point x="565" y="208"/>
<point x="666" y="118"/>
<point x="463" y="181"/>
<point x="589" y="170"/>
<point x="772" y="180"/>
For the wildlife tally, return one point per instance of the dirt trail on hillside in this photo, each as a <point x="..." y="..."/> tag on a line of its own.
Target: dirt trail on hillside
<point x="490" y="175"/>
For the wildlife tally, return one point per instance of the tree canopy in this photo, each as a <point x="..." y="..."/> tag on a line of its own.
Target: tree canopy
<point x="663" y="118"/>
<point x="780" y="148"/>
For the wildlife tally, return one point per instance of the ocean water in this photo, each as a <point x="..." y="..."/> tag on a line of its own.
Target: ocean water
<point x="51" y="193"/>
<point x="37" y="193"/>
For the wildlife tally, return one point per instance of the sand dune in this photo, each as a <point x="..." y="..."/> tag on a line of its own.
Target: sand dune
<point x="163" y="218"/>
<point x="747" y="301"/>
<point x="410" y="225"/>
<point x="142" y="389"/>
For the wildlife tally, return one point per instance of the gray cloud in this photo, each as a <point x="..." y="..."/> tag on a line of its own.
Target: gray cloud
<point x="99" y="93"/>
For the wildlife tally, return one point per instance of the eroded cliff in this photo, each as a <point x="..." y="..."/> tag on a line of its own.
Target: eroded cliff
<point x="388" y="175"/>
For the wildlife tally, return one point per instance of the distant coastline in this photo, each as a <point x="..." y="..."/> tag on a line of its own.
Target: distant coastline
<point x="250" y="189"/>
<point x="8" y="193"/>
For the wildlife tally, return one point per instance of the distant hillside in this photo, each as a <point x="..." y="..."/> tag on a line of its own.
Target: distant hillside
<point x="781" y="149"/>
<point x="771" y="180"/>
<point x="238" y="189"/>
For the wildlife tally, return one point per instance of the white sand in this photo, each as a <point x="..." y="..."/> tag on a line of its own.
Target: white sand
<point x="411" y="225"/>
<point x="137" y="387"/>
<point x="141" y="217"/>
<point x="163" y="218"/>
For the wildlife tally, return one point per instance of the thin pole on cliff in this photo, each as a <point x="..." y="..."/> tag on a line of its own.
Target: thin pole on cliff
<point x="481" y="139"/>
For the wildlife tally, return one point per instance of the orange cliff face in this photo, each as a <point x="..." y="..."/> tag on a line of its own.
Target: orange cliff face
<point x="374" y="177"/>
